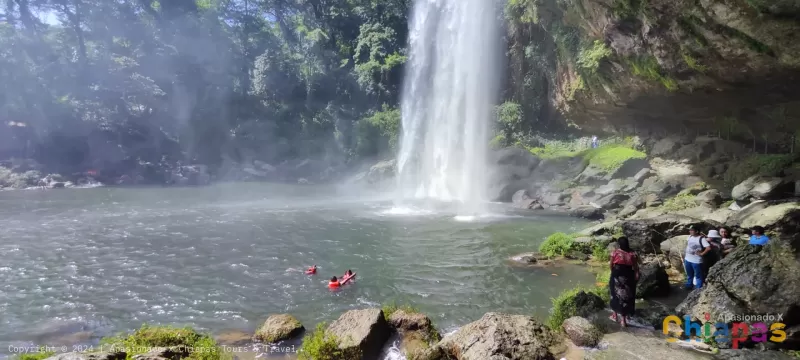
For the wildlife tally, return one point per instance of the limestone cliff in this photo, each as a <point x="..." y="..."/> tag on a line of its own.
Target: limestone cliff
<point x="728" y="67"/>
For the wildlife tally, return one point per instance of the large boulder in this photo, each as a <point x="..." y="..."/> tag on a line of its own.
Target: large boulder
<point x="653" y="279"/>
<point x="667" y="146"/>
<point x="710" y="198"/>
<point x="278" y="327"/>
<point x="783" y="218"/>
<point x="611" y="201"/>
<point x="382" y="171"/>
<point x="498" y="336"/>
<point x="587" y="212"/>
<point x="673" y="248"/>
<point x="762" y="188"/>
<point x="646" y="235"/>
<point x="364" y="331"/>
<point x="416" y="331"/>
<point x="752" y="280"/>
<point x="581" y="331"/>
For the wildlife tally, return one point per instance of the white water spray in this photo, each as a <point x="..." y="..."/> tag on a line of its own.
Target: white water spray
<point x="450" y="88"/>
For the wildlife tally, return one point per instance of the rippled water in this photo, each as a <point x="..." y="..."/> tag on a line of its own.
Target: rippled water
<point x="106" y="260"/>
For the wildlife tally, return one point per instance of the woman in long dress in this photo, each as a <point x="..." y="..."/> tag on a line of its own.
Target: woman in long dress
<point x="622" y="285"/>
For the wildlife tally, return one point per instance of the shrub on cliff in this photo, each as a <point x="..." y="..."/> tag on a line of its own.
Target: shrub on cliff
<point x="35" y="356"/>
<point x="323" y="346"/>
<point x="557" y="244"/>
<point x="576" y="302"/>
<point x="200" y="346"/>
<point x="611" y="157"/>
<point x="680" y="202"/>
<point x="390" y="308"/>
<point x="759" y="164"/>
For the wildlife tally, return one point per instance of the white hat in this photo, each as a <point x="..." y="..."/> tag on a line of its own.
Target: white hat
<point x="713" y="234"/>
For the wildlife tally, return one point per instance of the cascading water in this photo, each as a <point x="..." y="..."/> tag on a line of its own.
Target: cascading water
<point x="449" y="90"/>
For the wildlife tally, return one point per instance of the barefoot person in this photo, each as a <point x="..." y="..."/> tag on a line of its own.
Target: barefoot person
<point x="624" y="275"/>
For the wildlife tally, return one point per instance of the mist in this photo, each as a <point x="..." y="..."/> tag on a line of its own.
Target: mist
<point x="245" y="89"/>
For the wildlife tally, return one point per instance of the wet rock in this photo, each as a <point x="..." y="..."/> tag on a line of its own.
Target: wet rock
<point x="653" y="279"/>
<point x="577" y="255"/>
<point x="361" y="330"/>
<point x="382" y="171"/>
<point x="112" y="355"/>
<point x="498" y="336"/>
<point x="530" y="258"/>
<point x="587" y="212"/>
<point x="406" y="322"/>
<point x="416" y="331"/>
<point x="278" y="327"/>
<point x="652" y="313"/>
<point x="581" y="331"/>
<point x="610" y="201"/>
<point x="630" y="346"/>
<point x="233" y="338"/>
<point x="769" y="286"/>
<point x="587" y="303"/>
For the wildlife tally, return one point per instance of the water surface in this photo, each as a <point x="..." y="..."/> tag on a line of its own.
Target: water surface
<point x="105" y="260"/>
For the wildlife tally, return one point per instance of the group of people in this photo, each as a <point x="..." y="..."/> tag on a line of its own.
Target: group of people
<point x="334" y="282"/>
<point x="702" y="252"/>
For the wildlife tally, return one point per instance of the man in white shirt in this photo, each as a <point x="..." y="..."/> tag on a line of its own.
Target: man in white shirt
<point x="696" y="247"/>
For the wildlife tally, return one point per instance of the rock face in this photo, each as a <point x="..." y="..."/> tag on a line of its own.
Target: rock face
<point x="762" y="188"/>
<point x="674" y="248"/>
<point x="278" y="328"/>
<point x="416" y="332"/>
<point x="581" y="331"/>
<point x="653" y="280"/>
<point x="498" y="336"/>
<point x="784" y="218"/>
<point x="362" y="330"/>
<point x="587" y="212"/>
<point x="769" y="286"/>
<point x="647" y="235"/>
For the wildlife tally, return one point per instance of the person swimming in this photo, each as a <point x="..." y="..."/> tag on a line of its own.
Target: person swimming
<point x="348" y="273"/>
<point x="312" y="270"/>
<point x="334" y="283"/>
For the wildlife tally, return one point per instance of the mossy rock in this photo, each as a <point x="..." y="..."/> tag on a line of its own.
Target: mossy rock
<point x="278" y="327"/>
<point x="165" y="341"/>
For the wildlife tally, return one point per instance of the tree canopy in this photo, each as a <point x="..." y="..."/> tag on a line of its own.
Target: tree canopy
<point x="87" y="83"/>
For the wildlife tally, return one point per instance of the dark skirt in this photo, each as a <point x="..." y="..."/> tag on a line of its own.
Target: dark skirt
<point x="623" y="289"/>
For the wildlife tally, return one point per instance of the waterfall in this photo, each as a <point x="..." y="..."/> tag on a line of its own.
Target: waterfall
<point x="447" y="101"/>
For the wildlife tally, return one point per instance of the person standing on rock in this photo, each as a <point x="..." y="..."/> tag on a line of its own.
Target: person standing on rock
<point x="696" y="247"/>
<point x="728" y="243"/>
<point x="624" y="276"/>
<point x="594" y="141"/>
<point x="714" y="254"/>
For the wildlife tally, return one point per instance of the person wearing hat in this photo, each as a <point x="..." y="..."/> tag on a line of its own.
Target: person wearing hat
<point x="696" y="248"/>
<point x="714" y="254"/>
